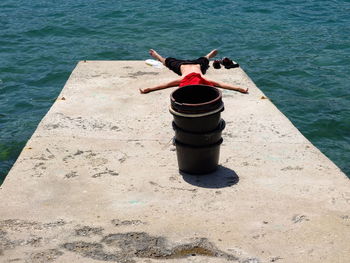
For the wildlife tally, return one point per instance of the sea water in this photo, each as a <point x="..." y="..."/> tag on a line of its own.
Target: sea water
<point x="297" y="52"/>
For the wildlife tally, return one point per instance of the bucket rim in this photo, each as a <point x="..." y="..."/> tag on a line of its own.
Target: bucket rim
<point x="218" y="98"/>
<point x="193" y="115"/>
<point x="218" y="143"/>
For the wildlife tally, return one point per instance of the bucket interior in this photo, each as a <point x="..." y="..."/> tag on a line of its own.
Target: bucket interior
<point x="196" y="94"/>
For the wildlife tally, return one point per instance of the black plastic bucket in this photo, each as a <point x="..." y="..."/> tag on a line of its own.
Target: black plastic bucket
<point x="197" y="159"/>
<point x="196" y="108"/>
<point x="199" y="139"/>
<point x="204" y="122"/>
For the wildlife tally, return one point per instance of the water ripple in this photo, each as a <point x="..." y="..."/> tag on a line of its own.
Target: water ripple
<point x="297" y="52"/>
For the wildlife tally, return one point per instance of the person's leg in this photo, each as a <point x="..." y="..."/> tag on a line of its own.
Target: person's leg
<point x="155" y="54"/>
<point x="171" y="63"/>
<point x="211" y="54"/>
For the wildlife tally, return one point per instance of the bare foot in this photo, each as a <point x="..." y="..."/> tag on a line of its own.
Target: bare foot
<point x="155" y="54"/>
<point x="212" y="54"/>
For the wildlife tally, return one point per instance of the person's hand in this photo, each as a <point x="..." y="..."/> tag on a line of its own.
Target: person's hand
<point x="243" y="90"/>
<point x="145" y="90"/>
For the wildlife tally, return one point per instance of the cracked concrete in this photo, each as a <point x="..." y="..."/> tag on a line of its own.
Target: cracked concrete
<point x="141" y="245"/>
<point x="98" y="181"/>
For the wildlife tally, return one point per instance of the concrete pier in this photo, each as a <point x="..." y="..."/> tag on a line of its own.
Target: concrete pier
<point x="98" y="181"/>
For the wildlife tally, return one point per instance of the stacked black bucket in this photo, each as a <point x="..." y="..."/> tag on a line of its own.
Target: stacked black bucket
<point x="198" y="126"/>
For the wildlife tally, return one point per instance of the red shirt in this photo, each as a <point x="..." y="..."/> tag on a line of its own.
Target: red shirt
<point x="194" y="79"/>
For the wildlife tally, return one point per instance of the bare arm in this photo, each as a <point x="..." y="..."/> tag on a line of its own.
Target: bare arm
<point x="173" y="83"/>
<point x="227" y="86"/>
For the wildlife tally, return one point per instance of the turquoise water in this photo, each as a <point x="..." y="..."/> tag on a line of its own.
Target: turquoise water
<point x="297" y="52"/>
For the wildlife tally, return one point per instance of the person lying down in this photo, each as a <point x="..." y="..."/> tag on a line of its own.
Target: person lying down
<point x="192" y="72"/>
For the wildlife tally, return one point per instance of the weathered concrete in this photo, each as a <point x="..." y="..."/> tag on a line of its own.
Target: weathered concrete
<point x="98" y="181"/>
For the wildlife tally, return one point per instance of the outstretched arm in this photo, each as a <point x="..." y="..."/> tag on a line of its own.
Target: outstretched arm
<point x="173" y="83"/>
<point x="223" y="85"/>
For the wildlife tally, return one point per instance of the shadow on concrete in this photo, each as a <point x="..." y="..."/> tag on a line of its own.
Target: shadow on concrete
<point x="222" y="177"/>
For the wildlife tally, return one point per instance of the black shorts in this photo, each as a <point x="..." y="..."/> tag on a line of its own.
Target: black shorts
<point x="175" y="64"/>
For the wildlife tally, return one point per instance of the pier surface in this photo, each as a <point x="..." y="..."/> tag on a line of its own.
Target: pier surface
<point x="99" y="182"/>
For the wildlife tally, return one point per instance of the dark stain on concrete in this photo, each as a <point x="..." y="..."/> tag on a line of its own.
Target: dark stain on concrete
<point x="106" y="171"/>
<point x="91" y="250"/>
<point x="32" y="239"/>
<point x="78" y="152"/>
<point x="54" y="126"/>
<point x="229" y="135"/>
<point x="51" y="155"/>
<point x="345" y="217"/>
<point x="38" y="165"/>
<point x="67" y="157"/>
<point x="290" y="168"/>
<point x="88" y="155"/>
<point x="16" y="225"/>
<point x="299" y="218"/>
<point x="91" y="154"/>
<point x="115" y="247"/>
<point x="48" y="255"/>
<point x="142" y="245"/>
<point x="275" y="259"/>
<point x="20" y="225"/>
<point x="71" y="175"/>
<point x="87" y="231"/>
<point x="117" y="222"/>
<point x="93" y="160"/>
<point x="173" y="188"/>
<point x="184" y="189"/>
<point x="5" y="242"/>
<point x="140" y="73"/>
<point x="259" y="236"/>
<point x="64" y="121"/>
<point x="44" y="157"/>
<point x="250" y="260"/>
<point x="123" y="159"/>
<point x="57" y="223"/>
